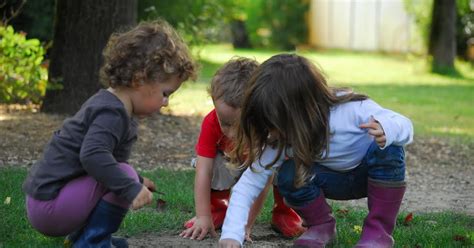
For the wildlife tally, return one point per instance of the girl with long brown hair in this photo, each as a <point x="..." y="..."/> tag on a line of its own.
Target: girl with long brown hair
<point x="323" y="142"/>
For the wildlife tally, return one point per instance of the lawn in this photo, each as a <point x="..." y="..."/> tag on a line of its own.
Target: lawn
<point x="438" y="106"/>
<point x="443" y="229"/>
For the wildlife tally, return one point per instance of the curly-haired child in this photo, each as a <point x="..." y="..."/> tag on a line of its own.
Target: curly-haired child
<point x="83" y="185"/>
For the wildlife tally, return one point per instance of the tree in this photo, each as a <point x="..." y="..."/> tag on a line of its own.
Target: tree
<point x="198" y="21"/>
<point x="81" y="31"/>
<point x="442" y="41"/>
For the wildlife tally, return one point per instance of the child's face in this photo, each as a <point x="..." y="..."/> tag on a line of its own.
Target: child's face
<point x="148" y="98"/>
<point x="227" y="117"/>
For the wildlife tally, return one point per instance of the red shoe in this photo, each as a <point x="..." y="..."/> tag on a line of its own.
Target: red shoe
<point x="219" y="203"/>
<point x="284" y="219"/>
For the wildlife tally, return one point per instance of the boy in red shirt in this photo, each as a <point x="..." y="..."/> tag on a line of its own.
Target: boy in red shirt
<point x="213" y="178"/>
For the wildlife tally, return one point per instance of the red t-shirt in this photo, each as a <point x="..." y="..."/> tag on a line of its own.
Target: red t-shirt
<point x="211" y="139"/>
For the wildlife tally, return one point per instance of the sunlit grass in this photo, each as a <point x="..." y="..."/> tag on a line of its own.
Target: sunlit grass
<point x="438" y="105"/>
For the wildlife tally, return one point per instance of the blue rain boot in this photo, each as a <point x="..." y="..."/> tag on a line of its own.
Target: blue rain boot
<point x="104" y="220"/>
<point x="72" y="237"/>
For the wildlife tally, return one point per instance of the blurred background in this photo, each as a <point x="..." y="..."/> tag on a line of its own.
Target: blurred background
<point x="414" y="56"/>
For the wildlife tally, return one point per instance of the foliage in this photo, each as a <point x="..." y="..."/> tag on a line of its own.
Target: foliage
<point x="201" y="22"/>
<point x="35" y="18"/>
<point x="22" y="76"/>
<point x="464" y="25"/>
<point x="279" y="23"/>
<point x="421" y="10"/>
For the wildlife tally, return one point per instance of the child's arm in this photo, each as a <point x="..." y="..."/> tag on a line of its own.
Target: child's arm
<point x="256" y="209"/>
<point x="202" y="189"/>
<point x="244" y="194"/>
<point x="102" y="137"/>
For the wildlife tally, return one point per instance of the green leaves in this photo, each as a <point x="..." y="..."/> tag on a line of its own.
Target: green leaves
<point x="22" y="76"/>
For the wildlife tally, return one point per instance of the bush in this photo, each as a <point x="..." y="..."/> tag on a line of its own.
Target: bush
<point x="278" y="24"/>
<point x="201" y="23"/>
<point x="464" y="26"/>
<point x="23" y="78"/>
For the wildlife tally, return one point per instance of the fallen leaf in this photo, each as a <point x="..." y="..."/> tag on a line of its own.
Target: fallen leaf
<point x="408" y="219"/>
<point x="7" y="200"/>
<point x="160" y="205"/>
<point x="342" y="212"/>
<point x="460" y="238"/>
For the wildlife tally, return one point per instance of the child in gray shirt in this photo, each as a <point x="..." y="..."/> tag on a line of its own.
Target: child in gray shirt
<point x="83" y="183"/>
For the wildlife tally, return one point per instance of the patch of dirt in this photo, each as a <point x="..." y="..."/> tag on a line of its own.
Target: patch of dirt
<point x="440" y="171"/>
<point x="263" y="236"/>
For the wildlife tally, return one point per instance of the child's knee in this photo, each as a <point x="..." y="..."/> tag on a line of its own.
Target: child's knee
<point x="129" y="170"/>
<point x="286" y="175"/>
<point x="387" y="164"/>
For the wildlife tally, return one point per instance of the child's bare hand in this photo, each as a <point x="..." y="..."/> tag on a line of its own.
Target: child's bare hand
<point x="201" y="227"/>
<point x="229" y="243"/>
<point x="248" y="232"/>
<point x="149" y="184"/>
<point x="375" y="129"/>
<point x="143" y="198"/>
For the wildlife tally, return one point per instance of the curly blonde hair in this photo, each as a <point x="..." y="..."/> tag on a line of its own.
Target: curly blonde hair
<point x="149" y="52"/>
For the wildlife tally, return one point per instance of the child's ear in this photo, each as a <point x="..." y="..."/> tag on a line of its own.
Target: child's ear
<point x="135" y="84"/>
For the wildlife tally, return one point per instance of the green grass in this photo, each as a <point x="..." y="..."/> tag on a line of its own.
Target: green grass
<point x="426" y="230"/>
<point x="438" y="105"/>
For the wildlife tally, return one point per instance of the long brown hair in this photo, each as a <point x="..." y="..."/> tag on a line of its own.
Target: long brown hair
<point x="288" y="97"/>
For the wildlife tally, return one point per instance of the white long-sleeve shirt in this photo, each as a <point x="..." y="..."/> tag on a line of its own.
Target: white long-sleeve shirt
<point x="348" y="145"/>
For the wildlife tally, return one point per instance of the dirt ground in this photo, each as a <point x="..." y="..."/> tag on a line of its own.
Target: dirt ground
<point x="440" y="172"/>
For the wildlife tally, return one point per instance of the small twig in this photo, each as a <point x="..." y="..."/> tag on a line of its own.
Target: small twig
<point x="13" y="12"/>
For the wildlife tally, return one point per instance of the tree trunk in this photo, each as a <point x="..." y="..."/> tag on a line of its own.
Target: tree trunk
<point x="240" y="37"/>
<point x="81" y="31"/>
<point x="442" y="44"/>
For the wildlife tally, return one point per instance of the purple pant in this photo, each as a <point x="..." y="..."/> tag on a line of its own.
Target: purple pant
<point x="69" y="211"/>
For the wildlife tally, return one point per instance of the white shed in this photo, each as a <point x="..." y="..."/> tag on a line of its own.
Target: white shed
<point x="364" y="25"/>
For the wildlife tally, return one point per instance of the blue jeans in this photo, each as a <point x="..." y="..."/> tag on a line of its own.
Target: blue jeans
<point x="386" y="165"/>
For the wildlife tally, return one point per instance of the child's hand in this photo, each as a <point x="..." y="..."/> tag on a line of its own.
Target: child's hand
<point x="376" y="130"/>
<point x="143" y="198"/>
<point x="229" y="243"/>
<point x="248" y="231"/>
<point x="201" y="227"/>
<point x="149" y="184"/>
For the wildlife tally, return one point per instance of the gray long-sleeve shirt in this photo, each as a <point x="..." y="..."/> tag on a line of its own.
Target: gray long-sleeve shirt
<point x="92" y="142"/>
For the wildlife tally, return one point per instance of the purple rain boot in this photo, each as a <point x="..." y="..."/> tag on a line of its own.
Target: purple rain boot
<point x="384" y="203"/>
<point x="321" y="224"/>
